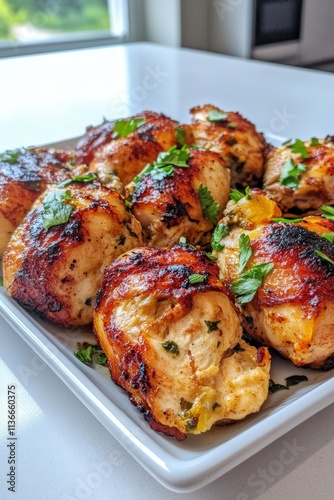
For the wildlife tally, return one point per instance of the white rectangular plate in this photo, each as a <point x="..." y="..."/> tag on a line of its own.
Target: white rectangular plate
<point x="179" y="466"/>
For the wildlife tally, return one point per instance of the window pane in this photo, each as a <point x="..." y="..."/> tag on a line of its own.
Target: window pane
<point x="32" y="21"/>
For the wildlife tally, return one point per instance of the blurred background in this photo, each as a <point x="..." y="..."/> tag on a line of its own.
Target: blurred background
<point x="294" y="32"/>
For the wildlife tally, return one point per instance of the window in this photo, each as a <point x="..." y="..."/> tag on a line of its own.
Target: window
<point x="28" y="26"/>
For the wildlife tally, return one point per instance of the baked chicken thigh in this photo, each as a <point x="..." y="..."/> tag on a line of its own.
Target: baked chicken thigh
<point x="54" y="261"/>
<point x="124" y="147"/>
<point x="281" y="275"/>
<point x="173" y="341"/>
<point x="235" y="139"/>
<point x="24" y="174"/>
<point x="182" y="194"/>
<point x="300" y="175"/>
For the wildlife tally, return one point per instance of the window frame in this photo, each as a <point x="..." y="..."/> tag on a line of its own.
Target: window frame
<point x="77" y="40"/>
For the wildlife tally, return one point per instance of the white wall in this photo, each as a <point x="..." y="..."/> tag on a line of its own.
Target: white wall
<point x="163" y="21"/>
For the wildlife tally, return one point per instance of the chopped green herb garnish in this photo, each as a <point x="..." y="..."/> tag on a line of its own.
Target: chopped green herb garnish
<point x="219" y="233"/>
<point x="290" y="175"/>
<point x="314" y="142"/>
<point x="236" y="195"/>
<point x="170" y="346"/>
<point x="250" y="281"/>
<point x="210" y="208"/>
<point x="329" y="212"/>
<point x="298" y="147"/>
<point x="290" y="381"/>
<point x="123" y="128"/>
<point x="174" y="156"/>
<point x="183" y="241"/>
<point x="1" y="281"/>
<point x="55" y="209"/>
<point x="216" y="116"/>
<point x="79" y="178"/>
<point x="85" y="353"/>
<point x="238" y="348"/>
<point x="164" y="165"/>
<point x="245" y="251"/>
<point x="181" y="136"/>
<point x="127" y="204"/>
<point x="101" y="359"/>
<point x="286" y="221"/>
<point x="273" y="387"/>
<point x="185" y="405"/>
<point x="212" y="325"/>
<point x="192" y="423"/>
<point x="196" y="278"/>
<point x="324" y="256"/>
<point x="329" y="237"/>
<point x="295" y="379"/>
<point x="210" y="256"/>
<point x="232" y="125"/>
<point x="89" y="353"/>
<point x="12" y="155"/>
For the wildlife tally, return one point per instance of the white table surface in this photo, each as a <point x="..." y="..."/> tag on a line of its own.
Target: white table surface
<point x="63" y="451"/>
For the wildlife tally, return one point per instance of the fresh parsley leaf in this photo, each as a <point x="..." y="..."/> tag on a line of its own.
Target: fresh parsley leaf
<point x="324" y="256"/>
<point x="123" y="128"/>
<point x="290" y="175"/>
<point x="238" y="348"/>
<point x="329" y="212"/>
<point x="183" y="241"/>
<point x="295" y="379"/>
<point x="164" y="165"/>
<point x="181" y="136"/>
<point x="79" y="178"/>
<point x="55" y="209"/>
<point x="1" y="281"/>
<point x="287" y="142"/>
<point x="290" y="381"/>
<point x="273" y="387"/>
<point x="220" y="231"/>
<point x="11" y="156"/>
<point x="299" y="147"/>
<point x="101" y="359"/>
<point x="250" y="281"/>
<point x="314" y="141"/>
<point x="196" y="278"/>
<point x="210" y="256"/>
<point x="245" y="251"/>
<point x="212" y="325"/>
<point x="170" y="346"/>
<point x="286" y="221"/>
<point x="174" y="156"/>
<point x="329" y="237"/>
<point x="85" y="353"/>
<point x="216" y="116"/>
<point x="236" y="195"/>
<point x="210" y="208"/>
<point x="89" y="353"/>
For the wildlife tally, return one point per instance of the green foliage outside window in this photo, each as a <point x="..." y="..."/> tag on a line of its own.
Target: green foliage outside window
<point x="53" y="16"/>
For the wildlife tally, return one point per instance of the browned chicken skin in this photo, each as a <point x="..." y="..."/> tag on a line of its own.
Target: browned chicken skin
<point x="235" y="139"/>
<point x="314" y="186"/>
<point x="170" y="341"/>
<point x="170" y="207"/>
<point x="23" y="177"/>
<point x="57" y="271"/>
<point x="128" y="155"/>
<point x="293" y="309"/>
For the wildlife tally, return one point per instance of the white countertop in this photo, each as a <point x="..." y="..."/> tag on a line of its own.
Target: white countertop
<point x="63" y="452"/>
